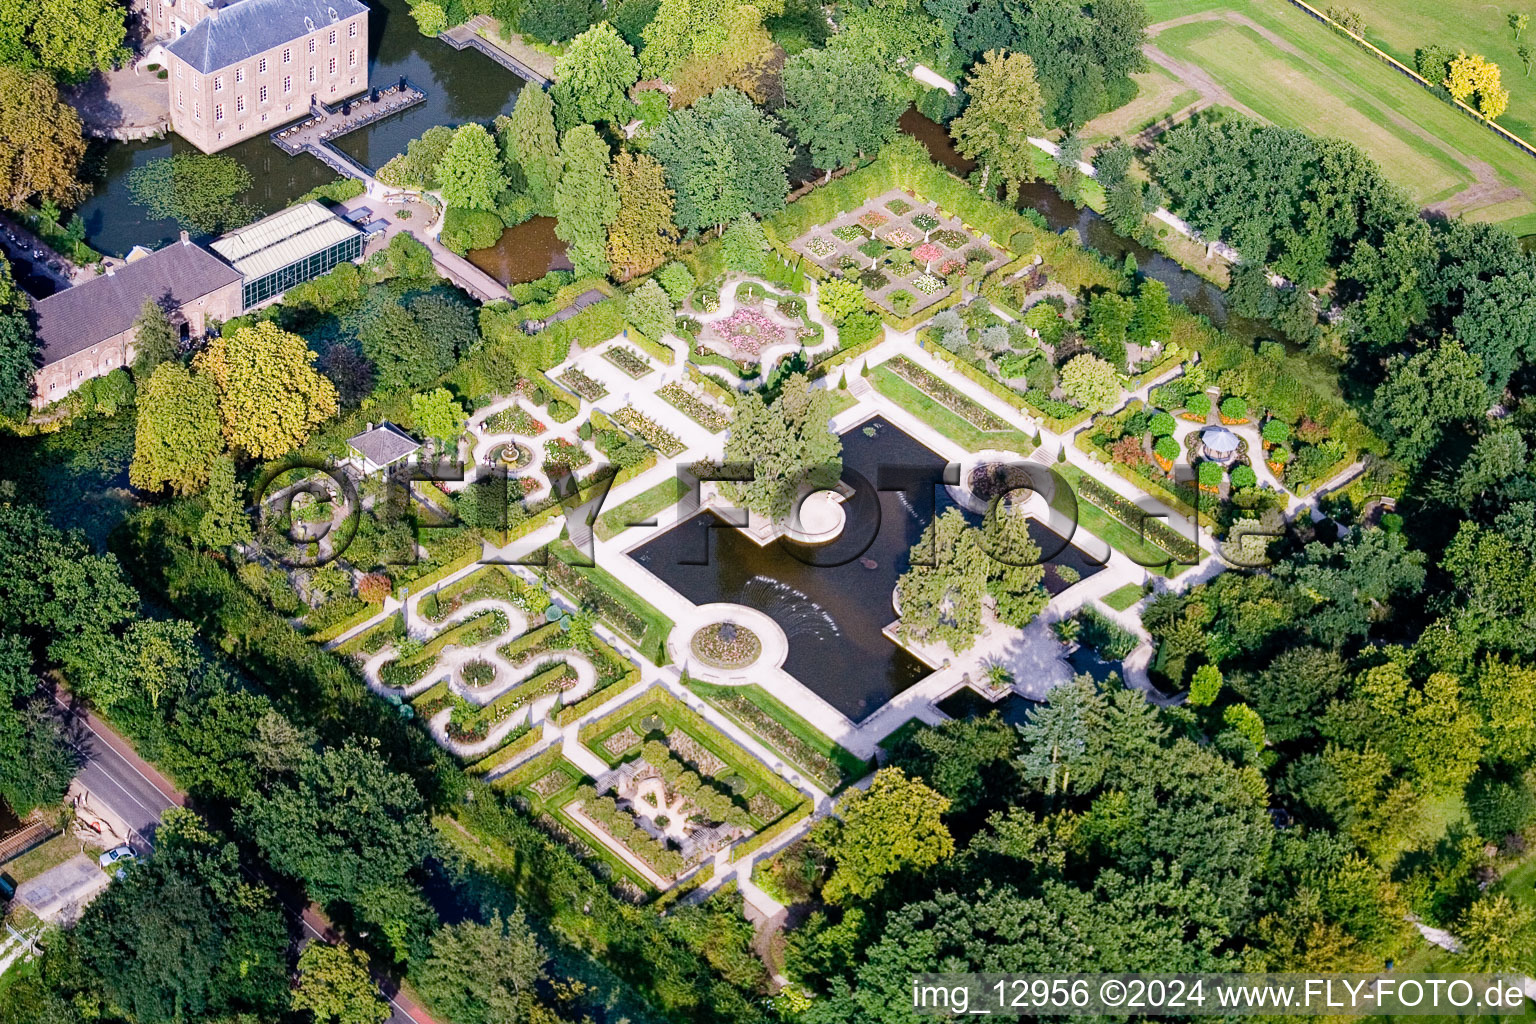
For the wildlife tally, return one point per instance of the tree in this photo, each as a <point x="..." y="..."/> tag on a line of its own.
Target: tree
<point x="177" y="438"/>
<point x="438" y="415"/>
<point x="530" y="141"/>
<point x="1518" y="22"/>
<point x="345" y="823"/>
<point x="1013" y="568"/>
<point x="894" y="825"/>
<point x="838" y="105"/>
<point x="642" y="233"/>
<point x="685" y="31"/>
<point x="483" y="973"/>
<point x="197" y="190"/>
<point x="743" y="245"/>
<point x="269" y="395"/>
<point x="649" y="309"/>
<point x="224" y="523"/>
<point x="417" y="166"/>
<point x="470" y="171"/>
<point x="1004" y="111"/>
<point x="555" y="21"/>
<point x="723" y="159"/>
<point x="678" y="280"/>
<point x="1496" y="935"/>
<point x="1091" y="383"/>
<point x="1153" y="320"/>
<point x="68" y="40"/>
<point x="403" y="351"/>
<point x="1205" y="685"/>
<point x="334" y="985"/>
<point x="593" y="78"/>
<point x="1470" y="76"/>
<point x="1526" y="56"/>
<point x="1426" y="393"/>
<point x="788" y="445"/>
<point x="964" y="760"/>
<point x="36" y="765"/>
<point x="586" y="200"/>
<point x="41" y="144"/>
<point x="155" y="339"/>
<point x="839" y="298"/>
<point x="431" y="19"/>
<point x="18" y="364"/>
<point x="184" y="936"/>
<point x="940" y="595"/>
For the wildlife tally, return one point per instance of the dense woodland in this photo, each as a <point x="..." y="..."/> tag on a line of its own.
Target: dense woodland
<point x="1358" y="739"/>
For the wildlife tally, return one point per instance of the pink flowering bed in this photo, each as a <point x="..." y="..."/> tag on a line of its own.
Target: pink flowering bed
<point x="748" y="331"/>
<point x="927" y="252"/>
<point x="899" y="237"/>
<point x="873" y="219"/>
<point x="949" y="267"/>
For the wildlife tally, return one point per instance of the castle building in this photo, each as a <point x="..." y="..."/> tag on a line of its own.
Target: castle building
<point x="241" y="68"/>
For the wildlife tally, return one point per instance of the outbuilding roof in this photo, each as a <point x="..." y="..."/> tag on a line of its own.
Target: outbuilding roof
<point x="383" y="444"/>
<point x="76" y="318"/>
<point x="241" y="30"/>
<point x="285" y="237"/>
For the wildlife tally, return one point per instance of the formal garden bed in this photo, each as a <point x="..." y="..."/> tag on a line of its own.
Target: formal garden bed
<point x="906" y="261"/>
<point x="514" y="419"/>
<point x="582" y="385"/>
<point x="593" y="588"/>
<point x="726" y="645"/>
<point x="651" y="432"/>
<point x="628" y="360"/>
<point x="703" y="412"/>
<point x="778" y="727"/>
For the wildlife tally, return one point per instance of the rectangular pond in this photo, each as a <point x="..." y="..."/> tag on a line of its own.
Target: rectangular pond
<point x="833" y="601"/>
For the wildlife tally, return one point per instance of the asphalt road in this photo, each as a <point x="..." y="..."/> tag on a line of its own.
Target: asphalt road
<point x="118" y="782"/>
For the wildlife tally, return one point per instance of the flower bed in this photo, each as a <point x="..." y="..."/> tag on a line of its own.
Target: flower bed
<point x="949" y="238"/>
<point x="874" y="280"/>
<point x="653" y="433"/>
<point x="924" y="221"/>
<point x="720" y="647"/>
<point x="475" y="723"/>
<point x="820" y="247"/>
<point x="709" y="416"/>
<point x="402" y="672"/>
<point x="849" y="233"/>
<point x="583" y="385"/>
<point x="899" y="237"/>
<point x="873" y="219"/>
<point x="898" y="206"/>
<point x="560" y="454"/>
<point x="927" y="284"/>
<point x="477" y="673"/>
<point x="773" y="732"/>
<point x="927" y="253"/>
<point x="550" y="783"/>
<point x="514" y="420"/>
<point x="748" y="331"/>
<point x="592" y="596"/>
<point x="628" y="360"/>
<point x="1153" y="529"/>
<point x="950" y="267"/>
<point x="940" y="391"/>
<point x="621" y="741"/>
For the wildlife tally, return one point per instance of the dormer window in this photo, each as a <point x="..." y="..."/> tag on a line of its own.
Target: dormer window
<point x="309" y="24"/>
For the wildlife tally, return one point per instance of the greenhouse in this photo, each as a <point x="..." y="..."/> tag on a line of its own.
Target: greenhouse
<point x="288" y="248"/>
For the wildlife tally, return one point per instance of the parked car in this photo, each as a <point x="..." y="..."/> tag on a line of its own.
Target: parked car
<point x="120" y="855"/>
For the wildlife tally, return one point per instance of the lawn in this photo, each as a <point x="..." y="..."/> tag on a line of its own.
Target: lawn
<point x="42" y="857"/>
<point x="1115" y="533"/>
<point x="642" y="508"/>
<point x="1123" y="598"/>
<point x="1402" y="26"/>
<point x="1293" y="71"/>
<point x="1158" y="94"/>
<point x="951" y="425"/>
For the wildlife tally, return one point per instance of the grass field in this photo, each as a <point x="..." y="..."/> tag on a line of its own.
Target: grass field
<point x="1268" y="58"/>
<point x="1123" y="598"/>
<point x="1115" y="533"/>
<point x="1402" y="26"/>
<point x="641" y="508"/>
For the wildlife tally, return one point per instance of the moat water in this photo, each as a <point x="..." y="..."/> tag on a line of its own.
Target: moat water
<point x="461" y="86"/>
<point x="832" y="604"/>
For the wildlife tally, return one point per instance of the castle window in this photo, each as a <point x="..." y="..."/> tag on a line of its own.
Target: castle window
<point x="352" y="30"/>
<point x="261" y="66"/>
<point x="263" y="95"/>
<point x="311" y="45"/>
<point x="332" y="40"/>
<point x="239" y="104"/>
<point x="333" y="65"/>
<point x="351" y="58"/>
<point x="218" y="83"/>
<point x="311" y="76"/>
<point x="239" y="74"/>
<point x="287" y="55"/>
<point x="287" y="83"/>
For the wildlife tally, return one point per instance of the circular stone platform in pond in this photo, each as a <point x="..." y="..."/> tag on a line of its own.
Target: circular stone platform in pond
<point x="726" y="645"/>
<point x="819" y="519"/>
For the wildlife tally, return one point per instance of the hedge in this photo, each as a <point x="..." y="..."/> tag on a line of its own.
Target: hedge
<point x="507" y="751"/>
<point x="332" y="630"/>
<point x="531" y="769"/>
<point x="599" y="696"/>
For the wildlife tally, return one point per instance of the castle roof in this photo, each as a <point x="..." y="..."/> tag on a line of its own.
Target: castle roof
<point x="240" y="31"/>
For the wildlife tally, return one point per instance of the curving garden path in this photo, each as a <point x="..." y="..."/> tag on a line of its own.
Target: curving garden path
<point x="452" y="659"/>
<point x="771" y="355"/>
<point x="484" y="442"/>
